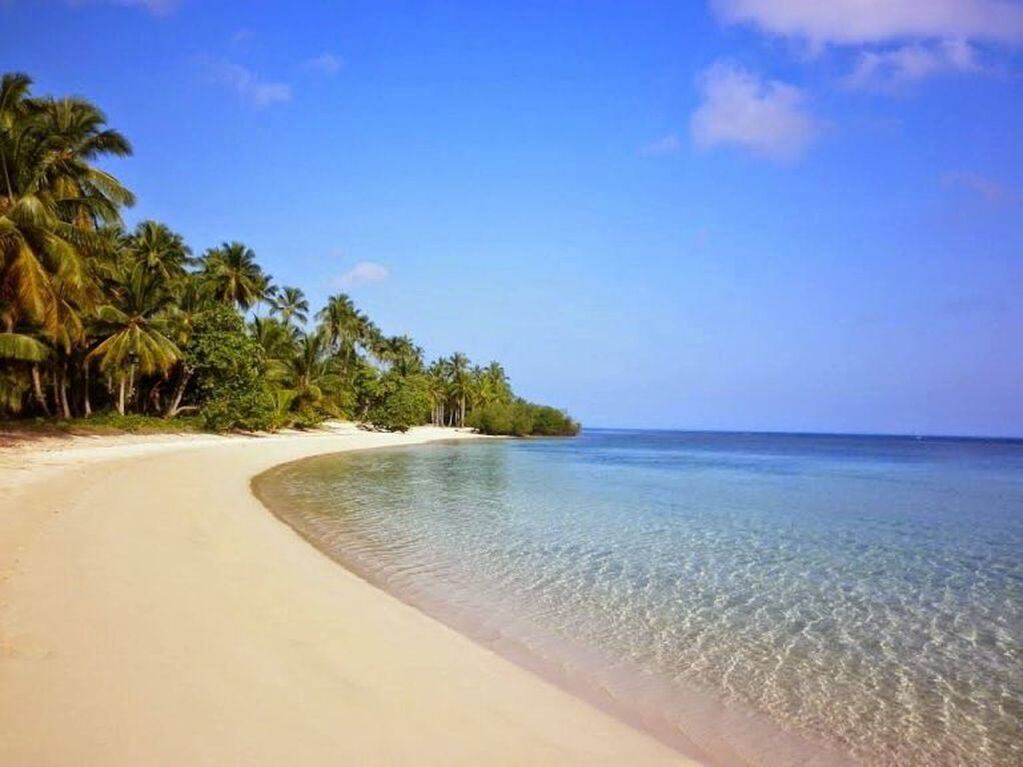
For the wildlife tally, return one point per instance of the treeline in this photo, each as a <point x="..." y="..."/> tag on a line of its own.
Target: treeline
<point x="94" y="317"/>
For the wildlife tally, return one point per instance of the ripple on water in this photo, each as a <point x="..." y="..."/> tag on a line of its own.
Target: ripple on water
<point x="772" y="598"/>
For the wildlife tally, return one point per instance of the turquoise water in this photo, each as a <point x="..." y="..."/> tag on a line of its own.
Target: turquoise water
<point x="771" y="598"/>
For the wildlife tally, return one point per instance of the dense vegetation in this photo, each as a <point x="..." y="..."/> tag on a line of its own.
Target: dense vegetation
<point x="94" y="318"/>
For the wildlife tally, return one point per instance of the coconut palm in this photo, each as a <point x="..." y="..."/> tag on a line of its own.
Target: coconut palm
<point x="232" y="275"/>
<point x="53" y="198"/>
<point x="161" y="250"/>
<point x="135" y="332"/>
<point x="401" y="353"/>
<point x="461" y="383"/>
<point x="437" y="390"/>
<point x="345" y="328"/>
<point x="290" y="305"/>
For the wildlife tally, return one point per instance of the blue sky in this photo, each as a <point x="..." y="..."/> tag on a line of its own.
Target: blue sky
<point x="739" y="214"/>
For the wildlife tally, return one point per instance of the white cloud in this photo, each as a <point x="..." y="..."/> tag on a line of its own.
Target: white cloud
<point x="850" y="22"/>
<point x="668" y="144"/>
<point x="249" y="87"/>
<point x="889" y="69"/>
<point x="988" y="189"/>
<point x="363" y="273"/>
<point x="327" y="63"/>
<point x="766" y="117"/>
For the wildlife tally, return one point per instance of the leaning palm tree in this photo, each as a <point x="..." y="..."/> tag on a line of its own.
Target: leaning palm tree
<point x="290" y="305"/>
<point x="135" y="332"/>
<point x="52" y="199"/>
<point x="75" y="134"/>
<point x="232" y="275"/>
<point x="190" y="302"/>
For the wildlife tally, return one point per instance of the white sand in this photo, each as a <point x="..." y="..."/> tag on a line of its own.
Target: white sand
<point x="152" y="612"/>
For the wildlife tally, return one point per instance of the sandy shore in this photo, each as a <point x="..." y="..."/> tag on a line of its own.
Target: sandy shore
<point x="152" y="612"/>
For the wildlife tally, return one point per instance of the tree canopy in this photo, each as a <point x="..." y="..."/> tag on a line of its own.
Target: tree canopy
<point x="94" y="316"/>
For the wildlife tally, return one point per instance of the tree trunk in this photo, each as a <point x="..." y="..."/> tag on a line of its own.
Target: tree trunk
<point x="120" y="397"/>
<point x="86" y="402"/>
<point x="59" y="395"/>
<point x="65" y="406"/>
<point x="131" y="384"/>
<point x="461" y="413"/>
<point x="179" y="392"/>
<point x="37" y="391"/>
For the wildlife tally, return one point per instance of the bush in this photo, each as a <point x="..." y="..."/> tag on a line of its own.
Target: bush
<point x="404" y="402"/>
<point x="522" y="419"/>
<point x="229" y="373"/>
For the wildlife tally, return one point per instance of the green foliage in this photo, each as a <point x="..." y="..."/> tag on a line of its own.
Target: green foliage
<point x="94" y="317"/>
<point x="404" y="402"/>
<point x="522" y="419"/>
<point x="230" y="371"/>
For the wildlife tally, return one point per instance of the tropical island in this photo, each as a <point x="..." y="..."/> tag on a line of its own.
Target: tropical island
<point x="133" y="327"/>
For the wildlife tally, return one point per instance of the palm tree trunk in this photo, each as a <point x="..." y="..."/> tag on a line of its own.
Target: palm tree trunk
<point x="461" y="413"/>
<point x="59" y="402"/>
<point x="65" y="406"/>
<point x="131" y="384"/>
<point x="37" y="391"/>
<point x="120" y="397"/>
<point x="179" y="392"/>
<point x="86" y="402"/>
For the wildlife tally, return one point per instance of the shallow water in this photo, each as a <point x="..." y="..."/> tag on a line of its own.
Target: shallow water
<point x="772" y="598"/>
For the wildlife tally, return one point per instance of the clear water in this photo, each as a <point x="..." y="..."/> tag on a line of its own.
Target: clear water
<point x="771" y="599"/>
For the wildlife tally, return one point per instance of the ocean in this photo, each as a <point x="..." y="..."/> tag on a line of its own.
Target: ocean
<point x="750" y="598"/>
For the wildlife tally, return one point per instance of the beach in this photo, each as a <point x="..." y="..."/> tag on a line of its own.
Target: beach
<point x="152" y="611"/>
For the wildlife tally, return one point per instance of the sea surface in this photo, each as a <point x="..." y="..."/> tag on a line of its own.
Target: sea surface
<point x="749" y="598"/>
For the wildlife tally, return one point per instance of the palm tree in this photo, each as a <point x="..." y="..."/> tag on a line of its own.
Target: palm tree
<point x="437" y="390"/>
<point x="161" y="250"/>
<point x="52" y="200"/>
<point x="461" y="382"/>
<point x="344" y="327"/>
<point x="232" y="275"/>
<point x="290" y="304"/>
<point x="493" y="385"/>
<point x="402" y="354"/>
<point x="134" y="332"/>
<point x="310" y="370"/>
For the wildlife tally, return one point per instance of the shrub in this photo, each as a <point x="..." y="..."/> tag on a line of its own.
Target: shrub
<point x="229" y="373"/>
<point x="521" y="419"/>
<point x="404" y="402"/>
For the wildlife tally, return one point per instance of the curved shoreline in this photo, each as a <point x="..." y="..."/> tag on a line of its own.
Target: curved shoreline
<point x="151" y="611"/>
<point x="593" y="695"/>
<point x="699" y="727"/>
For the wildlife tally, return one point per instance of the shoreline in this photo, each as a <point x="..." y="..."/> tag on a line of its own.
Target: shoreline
<point x="152" y="613"/>
<point x="699" y="727"/>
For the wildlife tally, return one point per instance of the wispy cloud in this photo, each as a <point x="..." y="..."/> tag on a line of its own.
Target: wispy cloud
<point x="848" y="22"/>
<point x="894" y="42"/>
<point x="326" y="63"/>
<point x="986" y="188"/>
<point x="668" y="144"/>
<point x="364" y="272"/>
<point x="245" y="83"/>
<point x="892" y="68"/>
<point x="766" y="117"/>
